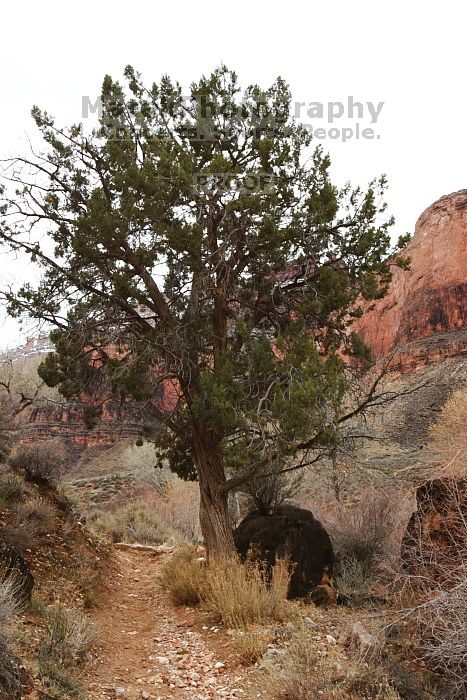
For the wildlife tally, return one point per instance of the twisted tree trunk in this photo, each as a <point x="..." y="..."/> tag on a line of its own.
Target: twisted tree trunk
<point x="213" y="513"/>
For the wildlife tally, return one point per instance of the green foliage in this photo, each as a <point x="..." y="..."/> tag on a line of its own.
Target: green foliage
<point x="231" y="303"/>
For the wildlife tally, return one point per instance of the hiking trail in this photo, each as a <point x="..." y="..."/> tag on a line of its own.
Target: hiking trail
<point x="150" y="650"/>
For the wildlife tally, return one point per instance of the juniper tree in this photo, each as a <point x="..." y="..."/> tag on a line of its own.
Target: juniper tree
<point x="198" y="244"/>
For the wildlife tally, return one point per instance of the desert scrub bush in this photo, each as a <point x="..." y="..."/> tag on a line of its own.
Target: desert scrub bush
<point x="241" y="594"/>
<point x="42" y="462"/>
<point x="304" y="673"/>
<point x="251" y="645"/>
<point x="354" y="579"/>
<point x="132" y="523"/>
<point x="365" y="530"/>
<point x="442" y="632"/>
<point x="9" y="598"/>
<point x="36" y="510"/>
<point x="69" y="637"/>
<point x="11" y="487"/>
<point x="177" y="507"/>
<point x="184" y="576"/>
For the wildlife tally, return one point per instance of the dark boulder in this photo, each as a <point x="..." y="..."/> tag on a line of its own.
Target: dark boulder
<point x="13" y="564"/>
<point x="289" y="533"/>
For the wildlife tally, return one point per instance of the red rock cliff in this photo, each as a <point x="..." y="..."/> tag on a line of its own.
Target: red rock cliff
<point x="423" y="315"/>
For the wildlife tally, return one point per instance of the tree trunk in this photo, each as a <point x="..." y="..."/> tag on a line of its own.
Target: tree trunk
<point x="213" y="509"/>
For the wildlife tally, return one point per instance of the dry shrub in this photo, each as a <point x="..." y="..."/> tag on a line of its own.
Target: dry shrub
<point x="184" y="576"/>
<point x="131" y="523"/>
<point x="36" y="510"/>
<point x="251" y="645"/>
<point x="266" y="493"/>
<point x="11" y="487"/>
<point x="9" y="598"/>
<point x="240" y="594"/>
<point x="43" y="462"/>
<point x="303" y="673"/>
<point x="70" y="635"/>
<point x="366" y="530"/>
<point x="177" y="507"/>
<point x="442" y="625"/>
<point x="354" y="579"/>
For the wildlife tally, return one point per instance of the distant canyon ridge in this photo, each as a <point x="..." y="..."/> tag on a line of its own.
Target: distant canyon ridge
<point x="420" y="322"/>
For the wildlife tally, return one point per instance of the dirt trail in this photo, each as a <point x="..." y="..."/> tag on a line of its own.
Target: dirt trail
<point x="148" y="649"/>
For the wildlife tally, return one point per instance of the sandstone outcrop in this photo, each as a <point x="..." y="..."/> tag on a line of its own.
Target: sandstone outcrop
<point x="423" y="315"/>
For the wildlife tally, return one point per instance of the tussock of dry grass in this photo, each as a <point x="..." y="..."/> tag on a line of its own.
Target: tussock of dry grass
<point x="251" y="645"/>
<point x="35" y="510"/>
<point x="70" y="636"/>
<point x="132" y="523"/>
<point x="240" y="594"/>
<point x="11" y="487"/>
<point x="184" y="577"/>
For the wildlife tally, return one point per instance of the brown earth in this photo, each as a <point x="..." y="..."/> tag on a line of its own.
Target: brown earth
<point x="150" y="649"/>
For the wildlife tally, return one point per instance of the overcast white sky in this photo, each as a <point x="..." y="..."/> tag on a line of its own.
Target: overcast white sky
<point x="409" y="55"/>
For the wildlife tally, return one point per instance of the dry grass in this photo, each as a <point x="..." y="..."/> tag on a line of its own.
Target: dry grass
<point x="251" y="645"/>
<point x="11" y="487"/>
<point x="36" y="510"/>
<point x="9" y="599"/>
<point x="132" y="523"/>
<point x="304" y="673"/>
<point x="184" y="577"/>
<point x="240" y="594"/>
<point x="69" y="637"/>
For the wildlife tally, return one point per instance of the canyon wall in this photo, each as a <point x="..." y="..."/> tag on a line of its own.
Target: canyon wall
<point x="422" y="318"/>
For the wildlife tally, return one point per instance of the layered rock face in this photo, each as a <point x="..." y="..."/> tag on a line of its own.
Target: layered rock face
<point x="423" y="315"/>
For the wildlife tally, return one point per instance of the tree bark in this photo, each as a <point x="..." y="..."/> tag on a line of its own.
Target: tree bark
<point x="213" y="509"/>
